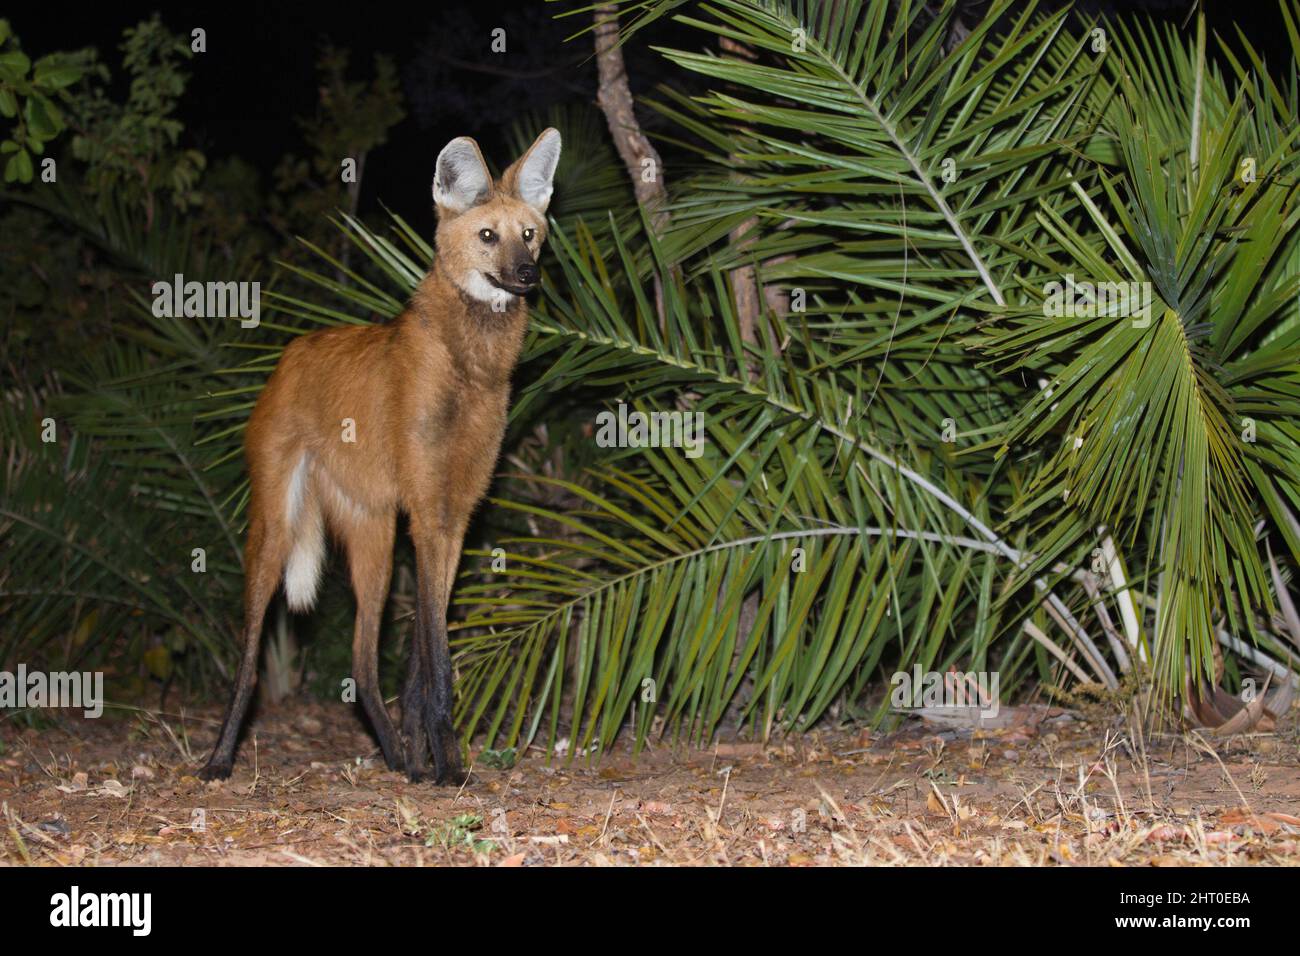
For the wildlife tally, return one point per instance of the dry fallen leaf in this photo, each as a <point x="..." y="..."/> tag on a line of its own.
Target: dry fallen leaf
<point x="1238" y="816"/>
<point x="734" y="750"/>
<point x="80" y="781"/>
<point x="1165" y="832"/>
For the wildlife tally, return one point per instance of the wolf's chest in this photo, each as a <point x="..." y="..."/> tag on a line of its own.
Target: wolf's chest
<point x="462" y="413"/>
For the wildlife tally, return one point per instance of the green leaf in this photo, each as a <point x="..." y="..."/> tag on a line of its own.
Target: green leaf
<point x="43" y="117"/>
<point x="54" y="73"/>
<point x="14" y="65"/>
<point x="19" y="167"/>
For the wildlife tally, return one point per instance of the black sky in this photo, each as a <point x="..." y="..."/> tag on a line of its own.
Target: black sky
<point x="258" y="72"/>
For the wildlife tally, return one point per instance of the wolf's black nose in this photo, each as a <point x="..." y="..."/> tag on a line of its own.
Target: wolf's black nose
<point x="526" y="273"/>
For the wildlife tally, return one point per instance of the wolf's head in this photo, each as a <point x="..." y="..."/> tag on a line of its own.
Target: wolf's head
<point x="490" y="232"/>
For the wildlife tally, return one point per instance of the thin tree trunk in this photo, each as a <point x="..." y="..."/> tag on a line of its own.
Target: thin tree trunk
<point x="744" y="280"/>
<point x="639" y="156"/>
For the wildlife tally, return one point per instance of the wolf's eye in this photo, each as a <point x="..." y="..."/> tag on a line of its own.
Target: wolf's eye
<point x="487" y="235"/>
<point x="528" y="235"/>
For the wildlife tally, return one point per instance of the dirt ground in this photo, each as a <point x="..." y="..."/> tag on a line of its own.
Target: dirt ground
<point x="310" y="789"/>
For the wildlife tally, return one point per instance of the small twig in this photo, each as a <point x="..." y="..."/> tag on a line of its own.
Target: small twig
<point x="608" y="813"/>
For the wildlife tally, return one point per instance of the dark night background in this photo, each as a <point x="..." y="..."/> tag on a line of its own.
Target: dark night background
<point x="258" y="74"/>
<point x="919" y="428"/>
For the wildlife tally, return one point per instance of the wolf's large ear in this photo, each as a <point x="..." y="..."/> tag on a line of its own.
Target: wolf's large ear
<point x="531" y="175"/>
<point x="461" y="178"/>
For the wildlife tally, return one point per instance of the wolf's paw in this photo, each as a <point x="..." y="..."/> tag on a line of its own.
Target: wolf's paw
<point x="215" y="771"/>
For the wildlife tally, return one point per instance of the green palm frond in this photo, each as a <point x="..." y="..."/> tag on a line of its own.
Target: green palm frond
<point x="875" y="157"/>
<point x="1175" y="428"/>
<point x="641" y="614"/>
<point x="89" y="557"/>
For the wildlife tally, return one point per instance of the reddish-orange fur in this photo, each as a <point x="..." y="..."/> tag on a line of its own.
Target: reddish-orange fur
<point x="424" y="401"/>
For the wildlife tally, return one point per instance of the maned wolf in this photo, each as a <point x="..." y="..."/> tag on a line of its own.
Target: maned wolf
<point x="358" y="422"/>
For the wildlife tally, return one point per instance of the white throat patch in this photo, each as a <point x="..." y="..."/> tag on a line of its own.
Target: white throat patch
<point x="480" y="289"/>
